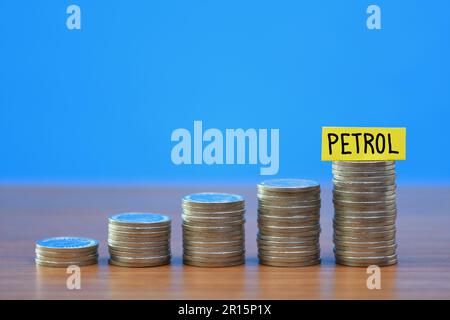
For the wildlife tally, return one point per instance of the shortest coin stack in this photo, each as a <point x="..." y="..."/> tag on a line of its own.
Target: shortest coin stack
<point x="61" y="252"/>
<point x="139" y="240"/>
<point x="289" y="223"/>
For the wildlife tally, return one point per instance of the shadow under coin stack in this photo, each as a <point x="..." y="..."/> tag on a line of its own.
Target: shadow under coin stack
<point x="213" y="230"/>
<point x="139" y="240"/>
<point x="66" y="251"/>
<point x="365" y="212"/>
<point x="289" y="223"/>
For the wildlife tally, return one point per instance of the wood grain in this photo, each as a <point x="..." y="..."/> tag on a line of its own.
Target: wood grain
<point x="31" y="213"/>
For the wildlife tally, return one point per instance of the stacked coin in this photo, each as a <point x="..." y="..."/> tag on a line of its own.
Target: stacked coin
<point x="364" y="213"/>
<point x="289" y="223"/>
<point x="213" y="230"/>
<point x="139" y="240"/>
<point x="66" y="251"/>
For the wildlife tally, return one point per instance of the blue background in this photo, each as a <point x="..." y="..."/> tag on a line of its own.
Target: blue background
<point x="99" y="104"/>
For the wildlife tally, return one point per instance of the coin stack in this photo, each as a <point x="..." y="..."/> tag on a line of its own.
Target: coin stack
<point x="289" y="223"/>
<point x="139" y="240"/>
<point x="66" y="251"/>
<point x="364" y="213"/>
<point x="213" y="230"/>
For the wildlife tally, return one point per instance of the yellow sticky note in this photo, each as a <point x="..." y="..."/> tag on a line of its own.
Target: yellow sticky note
<point x="363" y="144"/>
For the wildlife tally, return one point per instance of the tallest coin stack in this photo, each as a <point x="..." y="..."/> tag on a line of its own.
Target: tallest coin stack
<point x="365" y="212"/>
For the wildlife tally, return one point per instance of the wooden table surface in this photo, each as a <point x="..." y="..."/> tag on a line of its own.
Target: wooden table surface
<point x="31" y="213"/>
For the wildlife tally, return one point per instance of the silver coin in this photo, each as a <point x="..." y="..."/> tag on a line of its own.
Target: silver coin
<point x="348" y="201"/>
<point x="208" y="216"/>
<point x="290" y="197"/>
<point x="140" y="259"/>
<point x="366" y="177"/>
<point x="369" y="194"/>
<point x="212" y="243"/>
<point x="302" y="234"/>
<point x="366" y="243"/>
<point x="155" y="263"/>
<point x="141" y="245"/>
<point x="289" y="260"/>
<point x="313" y="227"/>
<point x="360" y="188"/>
<point x="355" y="170"/>
<point x="142" y="249"/>
<point x="288" y="243"/>
<point x="305" y="195"/>
<point x="143" y="219"/>
<point x="376" y="237"/>
<point x="138" y="230"/>
<point x="208" y="211"/>
<point x="214" y="264"/>
<point x="363" y="229"/>
<point x="383" y="263"/>
<point x="373" y="258"/>
<point x="213" y="229"/>
<point x="264" y="248"/>
<point x="289" y="185"/>
<point x="209" y="198"/>
<point x="213" y="259"/>
<point x="362" y="248"/>
<point x="138" y="250"/>
<point x="281" y="209"/>
<point x="285" y="204"/>
<point x="155" y="242"/>
<point x="213" y="239"/>
<point x="272" y="263"/>
<point x="363" y="207"/>
<point x="364" y="234"/>
<point x="213" y="223"/>
<point x="304" y="223"/>
<point x="65" y="254"/>
<point x="53" y="264"/>
<point x="212" y="219"/>
<point x="357" y="201"/>
<point x="353" y="224"/>
<point x="213" y="236"/>
<point x="148" y="240"/>
<point x="363" y="186"/>
<point x="365" y="219"/>
<point x="289" y="247"/>
<point x="290" y="238"/>
<point x="287" y="213"/>
<point x="289" y="254"/>
<point x="380" y="181"/>
<point x="344" y="213"/>
<point x="211" y="212"/>
<point x="297" y="200"/>
<point x="365" y="163"/>
<point x="214" y="254"/>
<point x="84" y="258"/>
<point x="363" y="198"/>
<point x="142" y="237"/>
<point x="137" y="254"/>
<point x="65" y="244"/>
<point x="363" y="254"/>
<point x="298" y="218"/>
<point x="356" y="264"/>
<point x="237" y="248"/>
<point x="140" y="234"/>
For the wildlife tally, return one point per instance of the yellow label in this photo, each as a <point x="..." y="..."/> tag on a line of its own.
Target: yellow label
<point x="363" y="144"/>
